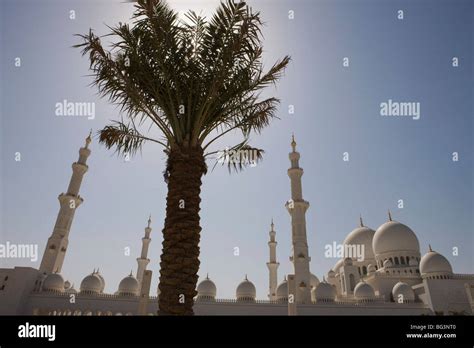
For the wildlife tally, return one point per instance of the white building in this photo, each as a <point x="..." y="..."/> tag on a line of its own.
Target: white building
<point x="392" y="278"/>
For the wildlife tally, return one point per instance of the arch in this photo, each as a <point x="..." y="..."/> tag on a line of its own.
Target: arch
<point x="352" y="281"/>
<point x="343" y="284"/>
<point x="402" y="260"/>
<point x="77" y="312"/>
<point x="88" y="313"/>
<point x="391" y="260"/>
<point x="364" y="270"/>
<point x="118" y="313"/>
<point x="396" y="260"/>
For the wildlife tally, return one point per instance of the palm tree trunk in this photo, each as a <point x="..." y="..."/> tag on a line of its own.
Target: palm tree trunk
<point x="181" y="234"/>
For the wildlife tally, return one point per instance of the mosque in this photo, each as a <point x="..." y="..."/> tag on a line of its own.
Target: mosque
<point x="392" y="278"/>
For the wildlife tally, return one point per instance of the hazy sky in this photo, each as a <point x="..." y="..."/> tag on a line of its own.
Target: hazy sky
<point x="336" y="111"/>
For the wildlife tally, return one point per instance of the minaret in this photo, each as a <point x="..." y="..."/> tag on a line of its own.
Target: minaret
<point x="143" y="259"/>
<point x="297" y="207"/>
<point x="56" y="247"/>
<point x="272" y="264"/>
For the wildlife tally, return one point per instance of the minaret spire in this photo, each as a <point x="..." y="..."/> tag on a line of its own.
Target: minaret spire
<point x="297" y="207"/>
<point x="389" y="215"/>
<point x="55" y="251"/>
<point x="143" y="260"/>
<point x="272" y="264"/>
<point x="360" y="221"/>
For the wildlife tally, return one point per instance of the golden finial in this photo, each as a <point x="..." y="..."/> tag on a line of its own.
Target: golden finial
<point x="429" y="245"/>
<point x="89" y="139"/>
<point x="389" y="215"/>
<point x="207" y="275"/>
<point x="149" y="221"/>
<point x="272" y="225"/>
<point x="360" y="221"/>
<point x="293" y="142"/>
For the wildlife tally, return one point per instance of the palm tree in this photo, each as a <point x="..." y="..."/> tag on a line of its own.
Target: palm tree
<point x="195" y="81"/>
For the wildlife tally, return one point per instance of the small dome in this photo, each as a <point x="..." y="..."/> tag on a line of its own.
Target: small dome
<point x="207" y="289"/>
<point x="53" y="282"/>
<point x="394" y="236"/>
<point x="71" y="290"/>
<point x="102" y="280"/>
<point x="347" y="261"/>
<point x="402" y="292"/>
<point x="67" y="284"/>
<point x="371" y="268"/>
<point x="338" y="265"/>
<point x="387" y="264"/>
<point x="282" y="290"/>
<point x="128" y="286"/>
<point x="331" y="274"/>
<point x="364" y="291"/>
<point x="91" y="284"/>
<point x="362" y="236"/>
<point x="324" y="292"/>
<point x="313" y="281"/>
<point x="433" y="263"/>
<point x="246" y="291"/>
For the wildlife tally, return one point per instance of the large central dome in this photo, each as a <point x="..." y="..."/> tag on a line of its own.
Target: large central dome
<point x="362" y="236"/>
<point x="394" y="236"/>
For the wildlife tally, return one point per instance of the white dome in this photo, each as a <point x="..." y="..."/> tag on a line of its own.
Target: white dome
<point x="67" y="284"/>
<point x="313" y="281"/>
<point x="433" y="263"/>
<point x="394" y="236"/>
<point x="128" y="286"/>
<point x="91" y="284"/>
<point x="207" y="289"/>
<point x="324" y="292"/>
<point x="387" y="263"/>
<point x="338" y="265"/>
<point x="102" y="280"/>
<point x="402" y="292"/>
<point x="282" y="290"/>
<point x="246" y="290"/>
<point x="362" y="236"/>
<point x="364" y="291"/>
<point x="71" y="290"/>
<point x="53" y="282"/>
